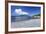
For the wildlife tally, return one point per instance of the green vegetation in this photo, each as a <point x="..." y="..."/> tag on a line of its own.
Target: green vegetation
<point x="37" y="15"/>
<point x="23" y="15"/>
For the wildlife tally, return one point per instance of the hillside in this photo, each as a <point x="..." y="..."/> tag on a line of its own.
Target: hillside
<point x="37" y="15"/>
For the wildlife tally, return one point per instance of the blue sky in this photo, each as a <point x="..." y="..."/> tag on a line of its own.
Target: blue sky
<point x="32" y="10"/>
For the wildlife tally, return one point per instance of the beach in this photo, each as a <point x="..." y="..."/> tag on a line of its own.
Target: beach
<point x="26" y="23"/>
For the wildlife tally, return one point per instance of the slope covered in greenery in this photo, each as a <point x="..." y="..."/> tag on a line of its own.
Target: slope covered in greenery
<point x="37" y="15"/>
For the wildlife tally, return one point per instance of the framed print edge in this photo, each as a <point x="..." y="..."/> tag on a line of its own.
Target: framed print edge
<point x="6" y="16"/>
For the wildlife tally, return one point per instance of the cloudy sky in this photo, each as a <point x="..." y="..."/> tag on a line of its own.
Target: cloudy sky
<point x="24" y="10"/>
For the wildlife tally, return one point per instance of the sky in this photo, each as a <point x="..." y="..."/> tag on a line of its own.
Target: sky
<point x="24" y="10"/>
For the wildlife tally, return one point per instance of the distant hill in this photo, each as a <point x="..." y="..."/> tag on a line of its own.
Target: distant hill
<point x="25" y="16"/>
<point x="37" y="15"/>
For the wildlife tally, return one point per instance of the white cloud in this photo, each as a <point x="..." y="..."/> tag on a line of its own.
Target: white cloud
<point x="20" y="12"/>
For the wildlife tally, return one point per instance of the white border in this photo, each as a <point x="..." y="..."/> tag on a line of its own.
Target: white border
<point x="23" y="29"/>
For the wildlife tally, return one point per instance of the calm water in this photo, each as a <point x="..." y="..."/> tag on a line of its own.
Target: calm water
<point x="25" y="23"/>
<point x="20" y="18"/>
